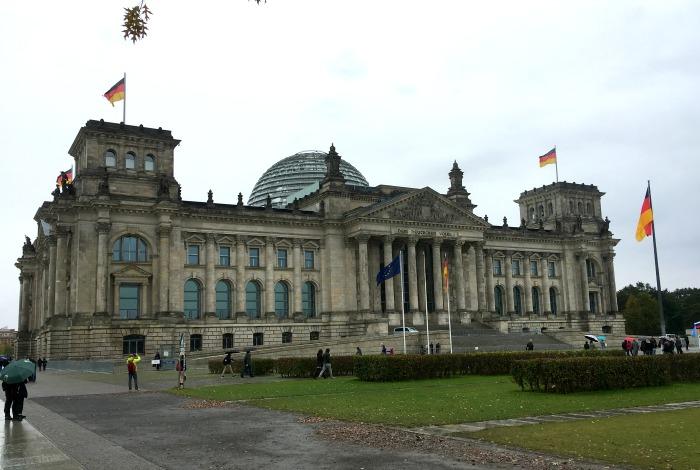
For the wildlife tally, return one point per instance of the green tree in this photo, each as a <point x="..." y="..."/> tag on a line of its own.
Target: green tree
<point x="641" y="314"/>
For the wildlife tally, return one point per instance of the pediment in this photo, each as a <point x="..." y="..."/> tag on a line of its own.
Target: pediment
<point x="283" y="244"/>
<point x="194" y="239"/>
<point x="131" y="271"/>
<point x="226" y="240"/>
<point x="423" y="205"/>
<point x="255" y="241"/>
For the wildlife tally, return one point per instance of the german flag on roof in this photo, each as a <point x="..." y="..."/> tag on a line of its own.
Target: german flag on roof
<point x="117" y="92"/>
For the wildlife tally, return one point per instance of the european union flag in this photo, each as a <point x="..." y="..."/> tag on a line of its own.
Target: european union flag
<point x="389" y="271"/>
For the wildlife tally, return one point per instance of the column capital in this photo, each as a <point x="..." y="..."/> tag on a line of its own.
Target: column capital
<point x="297" y="242"/>
<point x="389" y="238"/>
<point x="241" y="239"/>
<point x="412" y="240"/>
<point x="270" y="240"/>
<point x="103" y="227"/>
<point x="164" y="230"/>
<point x="362" y="238"/>
<point x="436" y="241"/>
<point x="62" y="230"/>
<point x="471" y="248"/>
<point x="460" y="242"/>
<point x="211" y="238"/>
<point x="51" y="240"/>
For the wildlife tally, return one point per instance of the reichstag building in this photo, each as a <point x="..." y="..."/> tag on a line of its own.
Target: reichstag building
<point x="121" y="263"/>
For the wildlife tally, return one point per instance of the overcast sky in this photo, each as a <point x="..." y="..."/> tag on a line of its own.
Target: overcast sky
<point x="403" y="88"/>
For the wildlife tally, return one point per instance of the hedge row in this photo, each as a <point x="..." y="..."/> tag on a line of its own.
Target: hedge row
<point x="578" y="374"/>
<point x="287" y="366"/>
<point x="412" y="367"/>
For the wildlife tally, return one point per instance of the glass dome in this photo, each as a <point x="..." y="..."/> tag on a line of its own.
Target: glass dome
<point x="295" y="173"/>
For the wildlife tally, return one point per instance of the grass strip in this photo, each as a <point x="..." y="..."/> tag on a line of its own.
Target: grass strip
<point x="655" y="440"/>
<point x="432" y="402"/>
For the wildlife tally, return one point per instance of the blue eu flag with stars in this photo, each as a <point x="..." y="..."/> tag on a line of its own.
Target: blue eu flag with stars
<point x="389" y="271"/>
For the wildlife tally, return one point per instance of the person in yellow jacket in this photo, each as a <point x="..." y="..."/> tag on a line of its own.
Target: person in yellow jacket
<point x="131" y="367"/>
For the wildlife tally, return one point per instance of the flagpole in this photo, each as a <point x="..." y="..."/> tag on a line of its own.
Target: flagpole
<point x="425" y="287"/>
<point x="124" y="104"/>
<point x="556" y="164"/>
<point x="403" y="313"/>
<point x="656" y="264"/>
<point x="449" y="317"/>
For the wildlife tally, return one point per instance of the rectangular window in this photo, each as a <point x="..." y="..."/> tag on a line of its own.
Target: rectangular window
<point x="314" y="336"/>
<point x="195" y="342"/>
<point x="254" y="257"/>
<point x="533" y="268"/>
<point x="497" y="270"/>
<point x="227" y="341"/>
<point x="258" y="339"/>
<point x="515" y="264"/>
<point x="224" y="256"/>
<point x="308" y="259"/>
<point x="128" y="301"/>
<point x="552" y="272"/>
<point x="193" y="254"/>
<point x="287" y="337"/>
<point x="281" y="258"/>
<point x="593" y="302"/>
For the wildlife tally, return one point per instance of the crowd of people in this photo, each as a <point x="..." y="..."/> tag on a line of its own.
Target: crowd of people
<point x="648" y="346"/>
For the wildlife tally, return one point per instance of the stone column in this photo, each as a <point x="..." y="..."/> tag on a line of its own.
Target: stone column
<point x="363" y="269"/>
<point x="297" y="276"/>
<point x="609" y="263"/>
<point x="209" y="276"/>
<point x="240" y="278"/>
<point x="51" y="291"/>
<point x="437" y="276"/>
<point x="509" y="283"/>
<point x="585" y="307"/>
<point x="459" y="276"/>
<point x="103" y="229"/>
<point x="164" y="268"/>
<point x="421" y="276"/>
<point x="388" y="284"/>
<point x="480" y="277"/>
<point x="269" y="276"/>
<point x="412" y="276"/>
<point x="60" y="302"/>
<point x="545" y="287"/>
<point x="490" y="299"/>
<point x="472" y="279"/>
<point x="528" y="285"/>
<point x="23" y="302"/>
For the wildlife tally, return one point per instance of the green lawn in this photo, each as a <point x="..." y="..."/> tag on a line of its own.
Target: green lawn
<point x="660" y="440"/>
<point x="425" y="402"/>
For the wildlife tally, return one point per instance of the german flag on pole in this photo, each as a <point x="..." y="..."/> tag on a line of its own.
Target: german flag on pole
<point x="549" y="157"/>
<point x="445" y="272"/>
<point x="645" y="226"/>
<point x="117" y="92"/>
<point x="68" y="174"/>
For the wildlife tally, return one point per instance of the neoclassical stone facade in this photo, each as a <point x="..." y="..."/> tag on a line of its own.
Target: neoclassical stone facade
<point x="122" y="263"/>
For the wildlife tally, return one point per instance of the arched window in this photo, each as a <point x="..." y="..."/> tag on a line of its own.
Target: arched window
<point x="149" y="163"/>
<point x="498" y="298"/>
<point x="590" y="269"/>
<point x="550" y="208"/>
<point x="193" y="299"/>
<point x="588" y="208"/>
<point x="227" y="341"/>
<point x="195" y="342"/>
<point x="308" y="299"/>
<point x="531" y="211"/>
<point x="110" y="158"/>
<point x="536" y="301"/>
<point x="130" y="161"/>
<point x="130" y="248"/>
<point x="281" y="300"/>
<point x="553" y="300"/>
<point x="571" y="207"/>
<point x="541" y="210"/>
<point x="223" y="300"/>
<point x="134" y="344"/>
<point x="579" y="208"/>
<point x="517" y="301"/>
<point x="252" y="299"/>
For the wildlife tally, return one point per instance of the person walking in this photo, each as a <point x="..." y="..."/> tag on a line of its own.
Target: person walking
<point x="679" y="346"/>
<point x="687" y="343"/>
<point x="227" y="365"/>
<point x="18" y="402"/>
<point x="156" y="360"/>
<point x="437" y="348"/>
<point x="132" y="368"/>
<point x="586" y="346"/>
<point x="383" y="350"/>
<point x="530" y="346"/>
<point x="635" y="347"/>
<point x="319" y="363"/>
<point x="358" y="352"/>
<point x="181" y="368"/>
<point x="326" y="364"/>
<point x="10" y="392"/>
<point x="247" y="365"/>
<point x="432" y="349"/>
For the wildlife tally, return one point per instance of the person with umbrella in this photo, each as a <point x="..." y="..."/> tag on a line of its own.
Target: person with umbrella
<point x="14" y="377"/>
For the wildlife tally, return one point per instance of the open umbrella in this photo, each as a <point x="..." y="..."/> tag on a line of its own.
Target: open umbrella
<point x="18" y="371"/>
<point x="591" y="338"/>
<point x="630" y="338"/>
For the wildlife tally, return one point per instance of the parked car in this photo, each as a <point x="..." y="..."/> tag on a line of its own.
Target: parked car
<point x="408" y="329"/>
